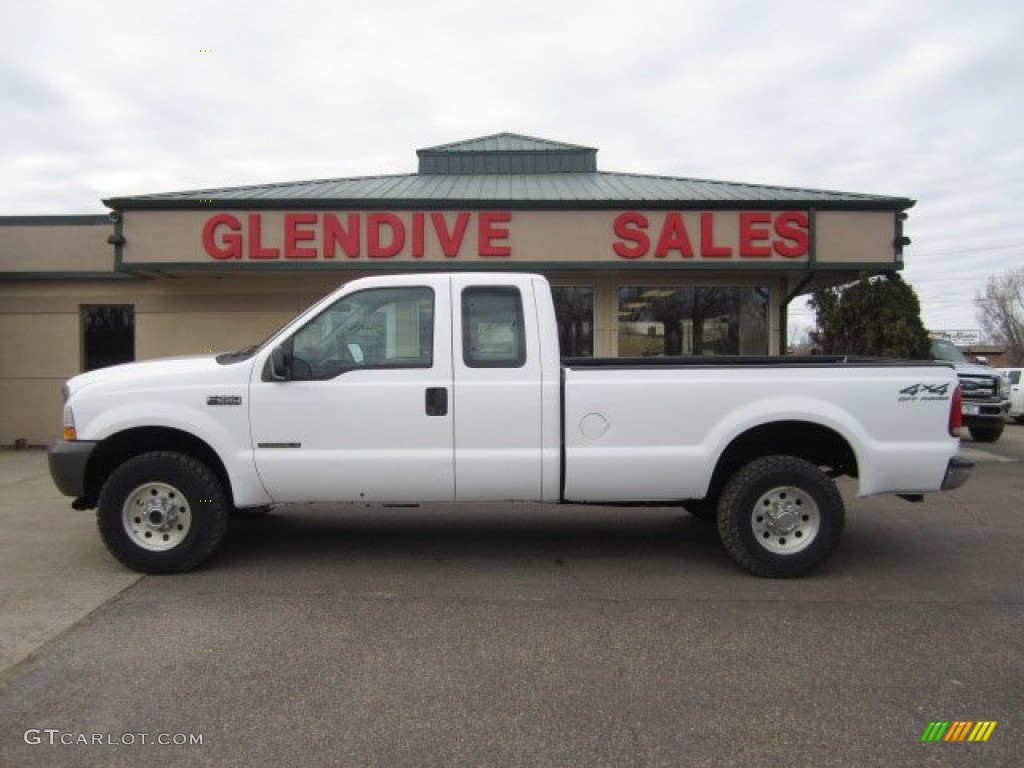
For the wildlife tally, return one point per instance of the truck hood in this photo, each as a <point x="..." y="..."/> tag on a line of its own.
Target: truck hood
<point x="972" y="369"/>
<point x="147" y="372"/>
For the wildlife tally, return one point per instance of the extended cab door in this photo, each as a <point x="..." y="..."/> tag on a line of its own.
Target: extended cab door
<point x="499" y="390"/>
<point x="365" y="409"/>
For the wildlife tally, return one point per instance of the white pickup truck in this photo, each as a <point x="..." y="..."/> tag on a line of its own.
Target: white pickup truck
<point x="449" y="387"/>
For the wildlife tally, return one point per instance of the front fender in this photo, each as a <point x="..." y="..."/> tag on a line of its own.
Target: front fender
<point x="225" y="429"/>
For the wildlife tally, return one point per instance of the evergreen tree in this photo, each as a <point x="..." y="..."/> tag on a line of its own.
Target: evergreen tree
<point x="876" y="316"/>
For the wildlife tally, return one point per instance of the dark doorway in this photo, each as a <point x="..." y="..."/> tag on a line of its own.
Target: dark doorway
<point x="108" y="336"/>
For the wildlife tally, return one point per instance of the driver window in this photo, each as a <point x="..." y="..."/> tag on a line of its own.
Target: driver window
<point x="376" y="328"/>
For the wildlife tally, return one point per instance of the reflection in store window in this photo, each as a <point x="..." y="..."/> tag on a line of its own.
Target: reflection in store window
<point x="700" y="320"/>
<point x="574" y="311"/>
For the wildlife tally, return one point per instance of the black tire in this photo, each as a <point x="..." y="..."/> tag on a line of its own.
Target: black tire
<point x="780" y="516"/>
<point x="986" y="434"/>
<point x="1019" y="419"/>
<point x="162" y="512"/>
<point x="704" y="510"/>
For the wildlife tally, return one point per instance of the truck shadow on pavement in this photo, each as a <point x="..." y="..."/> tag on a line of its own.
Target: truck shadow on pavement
<point x="315" y="533"/>
<point x="881" y="542"/>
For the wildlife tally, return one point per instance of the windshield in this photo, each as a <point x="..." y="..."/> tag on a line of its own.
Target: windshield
<point x="944" y="350"/>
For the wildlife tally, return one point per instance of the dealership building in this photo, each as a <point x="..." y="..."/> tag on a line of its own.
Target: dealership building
<point x="641" y="265"/>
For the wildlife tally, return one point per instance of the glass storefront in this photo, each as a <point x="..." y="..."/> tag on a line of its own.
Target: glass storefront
<point x="574" y="309"/>
<point x="692" y="320"/>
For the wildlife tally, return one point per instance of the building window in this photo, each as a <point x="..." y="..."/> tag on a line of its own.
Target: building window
<point x="699" y="320"/>
<point x="574" y="311"/>
<point x="108" y="336"/>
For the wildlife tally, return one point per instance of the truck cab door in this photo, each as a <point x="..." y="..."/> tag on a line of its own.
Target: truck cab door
<point x="498" y="391"/>
<point x="356" y="404"/>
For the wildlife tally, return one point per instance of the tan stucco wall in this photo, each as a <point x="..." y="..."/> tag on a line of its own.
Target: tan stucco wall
<point x="41" y="345"/>
<point x="37" y="353"/>
<point x="856" y="237"/>
<point x="162" y="334"/>
<point x="56" y="248"/>
<point x="31" y="411"/>
<point x="39" y="322"/>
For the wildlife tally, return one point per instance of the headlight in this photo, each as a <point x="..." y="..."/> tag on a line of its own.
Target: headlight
<point x="1004" y="387"/>
<point x="69" y="432"/>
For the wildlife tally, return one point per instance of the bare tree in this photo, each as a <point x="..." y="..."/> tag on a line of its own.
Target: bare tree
<point x="798" y="340"/>
<point x="1001" y="313"/>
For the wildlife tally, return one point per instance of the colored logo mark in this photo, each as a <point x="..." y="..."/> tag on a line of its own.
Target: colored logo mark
<point x="958" y="730"/>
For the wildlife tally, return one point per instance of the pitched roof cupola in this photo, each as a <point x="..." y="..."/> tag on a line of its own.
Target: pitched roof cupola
<point x="505" y="153"/>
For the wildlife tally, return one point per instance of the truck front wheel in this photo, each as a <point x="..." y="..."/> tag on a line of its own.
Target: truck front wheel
<point x="162" y="512"/>
<point x="780" y="516"/>
<point x="986" y="434"/>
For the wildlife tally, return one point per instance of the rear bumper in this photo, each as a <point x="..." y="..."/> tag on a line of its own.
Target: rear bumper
<point x="67" y="466"/>
<point x="957" y="472"/>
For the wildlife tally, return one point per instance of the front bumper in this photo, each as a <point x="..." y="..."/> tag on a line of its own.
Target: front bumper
<point x="987" y="414"/>
<point x="957" y="472"/>
<point x="68" y="461"/>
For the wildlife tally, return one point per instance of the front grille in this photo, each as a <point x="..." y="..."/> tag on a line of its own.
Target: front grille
<point x="978" y="387"/>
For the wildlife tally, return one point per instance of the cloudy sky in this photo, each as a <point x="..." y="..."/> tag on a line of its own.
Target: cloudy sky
<point x="921" y="99"/>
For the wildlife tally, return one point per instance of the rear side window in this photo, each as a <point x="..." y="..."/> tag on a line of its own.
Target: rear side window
<point x="492" y="327"/>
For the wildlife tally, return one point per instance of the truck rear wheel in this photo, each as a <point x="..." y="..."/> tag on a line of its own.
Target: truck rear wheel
<point x="780" y="516"/>
<point x="162" y="512"/>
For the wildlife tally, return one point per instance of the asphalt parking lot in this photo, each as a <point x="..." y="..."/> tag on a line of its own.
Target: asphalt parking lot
<point x="522" y="636"/>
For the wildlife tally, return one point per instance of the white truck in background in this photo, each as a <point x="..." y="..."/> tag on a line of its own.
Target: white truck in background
<point x="1013" y="376"/>
<point x="985" y="393"/>
<point x="449" y="388"/>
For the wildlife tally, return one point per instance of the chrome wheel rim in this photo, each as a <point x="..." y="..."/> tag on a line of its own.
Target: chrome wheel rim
<point x="785" y="520"/>
<point x="156" y="516"/>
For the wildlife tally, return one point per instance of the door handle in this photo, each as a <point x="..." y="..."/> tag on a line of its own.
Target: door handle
<point x="437" y="401"/>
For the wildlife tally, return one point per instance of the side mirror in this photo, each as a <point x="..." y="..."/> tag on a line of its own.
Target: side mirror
<point x="278" y="366"/>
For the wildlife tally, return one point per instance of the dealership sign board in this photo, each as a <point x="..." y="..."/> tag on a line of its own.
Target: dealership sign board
<point x="237" y="238"/>
<point x="962" y="337"/>
<point x="489" y="234"/>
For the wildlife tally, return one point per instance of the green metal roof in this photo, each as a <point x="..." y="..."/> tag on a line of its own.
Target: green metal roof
<point x="512" y="171"/>
<point x="59" y="220"/>
<point x="504" y="142"/>
<point x="507" y="153"/>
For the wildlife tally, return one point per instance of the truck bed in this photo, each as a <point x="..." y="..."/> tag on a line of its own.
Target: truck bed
<point x="648" y="429"/>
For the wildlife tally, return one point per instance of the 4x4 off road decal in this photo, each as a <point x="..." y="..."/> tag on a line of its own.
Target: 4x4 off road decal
<point x="924" y="392"/>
